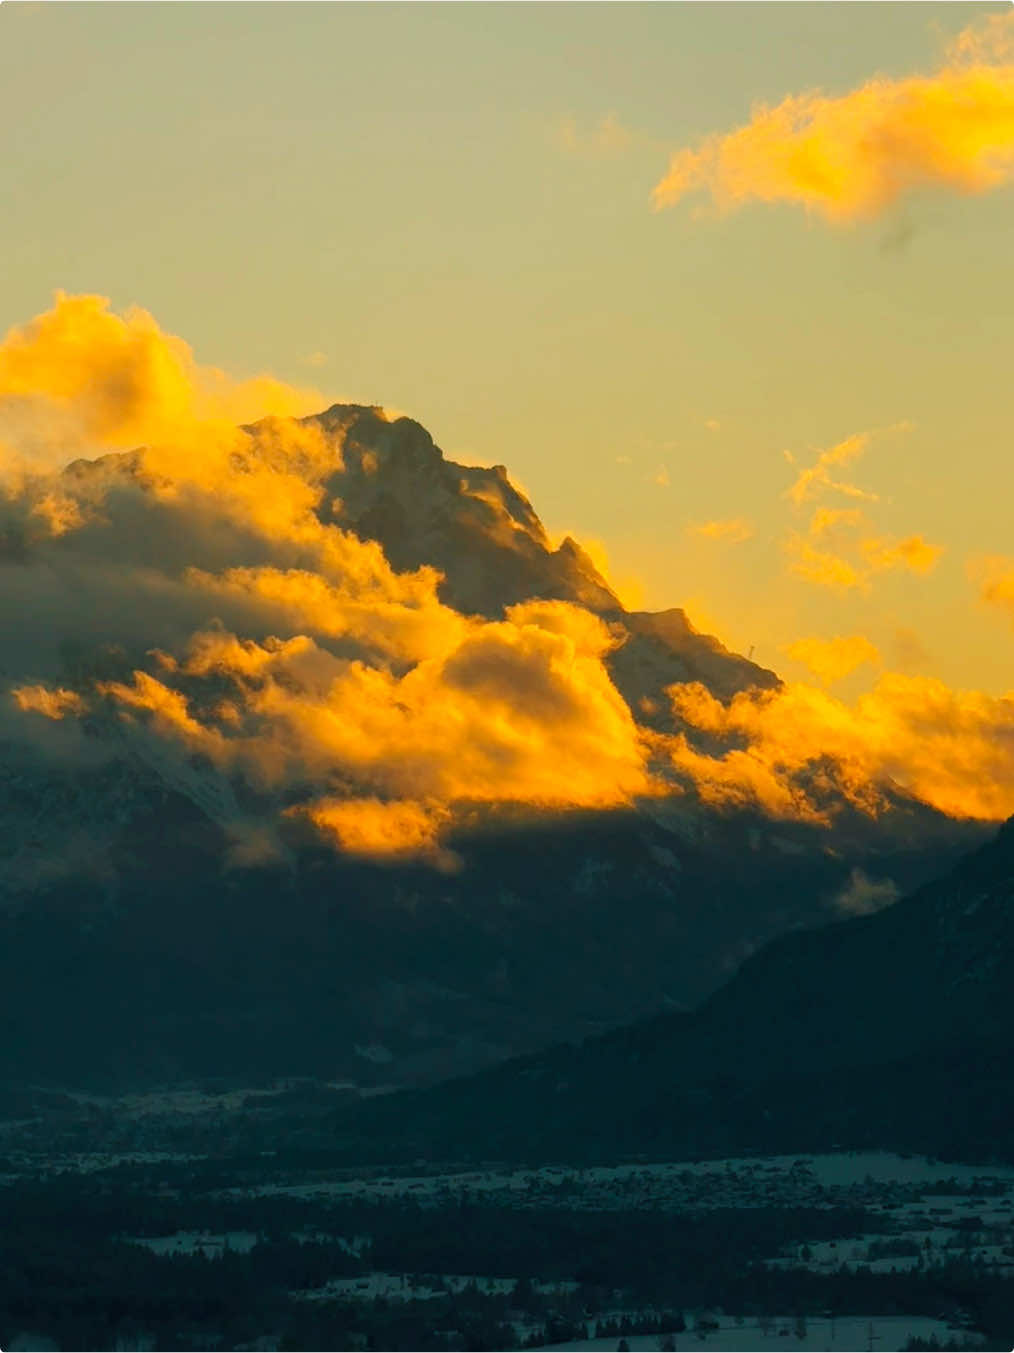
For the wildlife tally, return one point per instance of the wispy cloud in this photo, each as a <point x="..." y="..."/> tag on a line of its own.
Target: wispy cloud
<point x="817" y="478"/>
<point x="836" y="550"/>
<point x="731" y="529"/>
<point x="913" y="553"/>
<point x="994" y="576"/>
<point x="821" y="567"/>
<point x="863" y="895"/>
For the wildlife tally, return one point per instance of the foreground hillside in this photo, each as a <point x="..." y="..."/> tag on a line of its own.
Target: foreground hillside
<point x="889" y="1030"/>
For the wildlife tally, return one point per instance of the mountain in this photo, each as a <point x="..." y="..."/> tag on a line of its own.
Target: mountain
<point x="484" y="536"/>
<point x="889" y="1030"/>
<point x="169" y="905"/>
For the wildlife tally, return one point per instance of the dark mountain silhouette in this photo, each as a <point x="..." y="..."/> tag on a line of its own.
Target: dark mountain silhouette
<point x="889" y="1030"/>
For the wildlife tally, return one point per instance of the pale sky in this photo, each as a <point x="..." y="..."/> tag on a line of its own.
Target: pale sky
<point x="447" y="209"/>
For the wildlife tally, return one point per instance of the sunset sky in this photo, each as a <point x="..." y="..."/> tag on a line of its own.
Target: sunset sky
<point x="468" y="213"/>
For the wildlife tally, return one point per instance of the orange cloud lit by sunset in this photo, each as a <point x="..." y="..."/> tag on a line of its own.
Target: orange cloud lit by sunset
<point x="850" y="157"/>
<point x="431" y="711"/>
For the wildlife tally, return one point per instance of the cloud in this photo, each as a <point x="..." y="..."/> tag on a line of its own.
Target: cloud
<point x="396" y="615"/>
<point x="876" y="555"/>
<point x="989" y="40"/>
<point x="913" y="554"/>
<point x="832" y="659"/>
<point x="54" y="704"/>
<point x="821" y="567"/>
<point x="791" y="751"/>
<point x="821" y="554"/>
<point x="732" y="529"/>
<point x="824" y="568"/>
<point x="201" y="594"/>
<point x="863" y="895"/>
<point x="198" y="604"/>
<point x="518" y="711"/>
<point x="850" y="157"/>
<point x="712" y="424"/>
<point x="81" y="377"/>
<point x="994" y="575"/>
<point x="382" y="830"/>
<point x="829" y="521"/>
<point x="817" y="479"/>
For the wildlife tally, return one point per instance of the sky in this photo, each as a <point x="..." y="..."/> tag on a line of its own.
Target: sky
<point x="471" y="213"/>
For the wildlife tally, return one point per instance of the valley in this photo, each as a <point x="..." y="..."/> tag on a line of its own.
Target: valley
<point x="834" y="1250"/>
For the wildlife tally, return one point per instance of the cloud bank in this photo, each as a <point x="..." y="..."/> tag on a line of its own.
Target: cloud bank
<point x="241" y="624"/>
<point x="197" y="599"/>
<point x="793" y="750"/>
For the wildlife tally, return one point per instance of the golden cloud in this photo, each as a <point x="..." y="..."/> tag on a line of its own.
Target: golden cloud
<point x="438" y="708"/>
<point x="832" y="659"/>
<point x="850" y="157"/>
<point x="830" y="520"/>
<point x="820" y="555"/>
<point x="54" y="704"/>
<point x="816" y="478"/>
<point x="914" y="554"/>
<point x="381" y="830"/>
<point x="994" y="575"/>
<point x="794" y="748"/>
<point x="518" y="711"/>
<point x="348" y="693"/>
<point x="398" y="615"/>
<point x="118" y="381"/>
<point x="732" y="529"/>
<point x="822" y="567"/>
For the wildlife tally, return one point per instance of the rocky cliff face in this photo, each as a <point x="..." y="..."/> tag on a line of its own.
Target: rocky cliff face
<point x="484" y="536"/>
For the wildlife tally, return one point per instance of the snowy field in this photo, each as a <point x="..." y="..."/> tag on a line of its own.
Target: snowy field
<point x="871" y="1179"/>
<point x="423" y="1287"/>
<point x="928" y="1213"/>
<point x="845" y="1336"/>
<point x="198" y="1242"/>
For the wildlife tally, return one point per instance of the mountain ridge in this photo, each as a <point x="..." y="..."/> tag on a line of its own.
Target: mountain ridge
<point x="892" y="1030"/>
